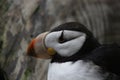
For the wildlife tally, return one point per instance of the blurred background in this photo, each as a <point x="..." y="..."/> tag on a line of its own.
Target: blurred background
<point x="22" y="20"/>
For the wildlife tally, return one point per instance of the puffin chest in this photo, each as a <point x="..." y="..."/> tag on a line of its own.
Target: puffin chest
<point x="78" y="70"/>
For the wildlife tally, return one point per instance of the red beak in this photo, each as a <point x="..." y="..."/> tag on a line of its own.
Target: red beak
<point x="30" y="49"/>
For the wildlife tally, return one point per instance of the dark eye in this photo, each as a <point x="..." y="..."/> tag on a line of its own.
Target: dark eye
<point x="65" y="37"/>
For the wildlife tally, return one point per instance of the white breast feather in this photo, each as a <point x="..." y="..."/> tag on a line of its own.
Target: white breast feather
<point x="74" y="71"/>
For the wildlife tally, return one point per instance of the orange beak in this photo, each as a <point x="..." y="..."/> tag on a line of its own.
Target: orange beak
<point x="37" y="48"/>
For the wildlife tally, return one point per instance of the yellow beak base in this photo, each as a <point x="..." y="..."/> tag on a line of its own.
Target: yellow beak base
<point x="51" y="51"/>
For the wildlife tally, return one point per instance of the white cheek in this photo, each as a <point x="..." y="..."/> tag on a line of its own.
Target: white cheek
<point x="71" y="47"/>
<point x="51" y="39"/>
<point x="67" y="48"/>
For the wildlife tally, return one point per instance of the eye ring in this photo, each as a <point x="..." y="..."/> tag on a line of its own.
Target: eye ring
<point x="61" y="38"/>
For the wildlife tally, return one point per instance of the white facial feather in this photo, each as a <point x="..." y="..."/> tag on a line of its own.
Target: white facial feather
<point x="75" y="71"/>
<point x="75" y="42"/>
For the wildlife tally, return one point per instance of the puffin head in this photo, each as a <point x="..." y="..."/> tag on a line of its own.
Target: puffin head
<point x="65" y="40"/>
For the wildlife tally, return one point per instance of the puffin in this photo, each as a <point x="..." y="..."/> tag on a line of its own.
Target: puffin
<point x="76" y="54"/>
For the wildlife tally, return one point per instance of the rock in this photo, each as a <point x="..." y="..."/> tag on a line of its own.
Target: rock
<point x="28" y="18"/>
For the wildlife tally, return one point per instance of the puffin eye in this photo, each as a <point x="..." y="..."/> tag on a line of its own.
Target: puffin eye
<point x="61" y="38"/>
<point x="65" y="37"/>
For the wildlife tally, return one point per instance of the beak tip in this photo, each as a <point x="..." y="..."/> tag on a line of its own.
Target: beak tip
<point x="30" y="49"/>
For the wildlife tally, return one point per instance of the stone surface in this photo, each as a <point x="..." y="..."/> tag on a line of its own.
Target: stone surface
<point x="28" y="18"/>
